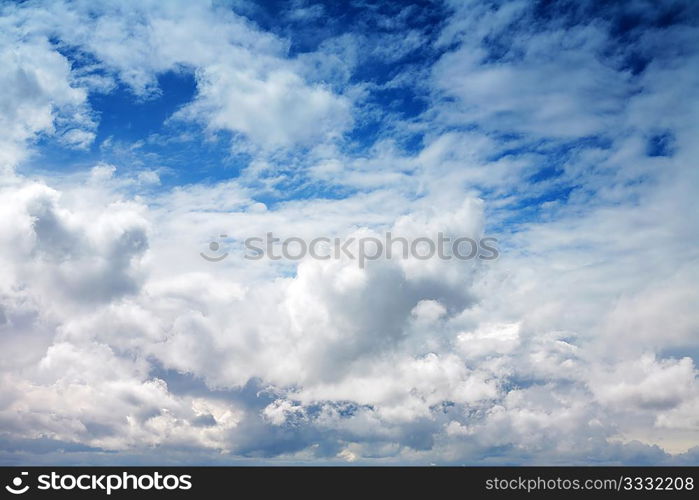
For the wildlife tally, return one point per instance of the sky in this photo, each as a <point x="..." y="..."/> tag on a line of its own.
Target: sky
<point x="134" y="134"/>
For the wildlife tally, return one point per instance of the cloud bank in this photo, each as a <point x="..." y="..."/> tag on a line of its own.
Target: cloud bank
<point x="565" y="129"/>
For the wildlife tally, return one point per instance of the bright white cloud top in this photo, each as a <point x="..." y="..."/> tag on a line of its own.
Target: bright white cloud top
<point x="132" y="133"/>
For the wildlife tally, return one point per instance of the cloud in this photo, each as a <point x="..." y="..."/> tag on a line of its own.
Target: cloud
<point x="274" y="108"/>
<point x="40" y="96"/>
<point x="576" y="346"/>
<point x="245" y="83"/>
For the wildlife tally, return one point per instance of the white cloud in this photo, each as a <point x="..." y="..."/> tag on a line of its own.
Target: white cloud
<point x="245" y="84"/>
<point x="39" y="96"/>
<point x="273" y="107"/>
<point x="577" y="342"/>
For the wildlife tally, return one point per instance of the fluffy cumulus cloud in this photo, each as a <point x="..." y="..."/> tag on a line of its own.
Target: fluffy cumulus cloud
<point x="40" y="96"/>
<point x="245" y="83"/>
<point x="567" y="130"/>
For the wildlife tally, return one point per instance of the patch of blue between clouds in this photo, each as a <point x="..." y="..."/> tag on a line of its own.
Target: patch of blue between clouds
<point x="135" y="133"/>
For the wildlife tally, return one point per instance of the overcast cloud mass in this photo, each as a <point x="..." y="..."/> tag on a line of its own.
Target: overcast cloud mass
<point x="132" y="134"/>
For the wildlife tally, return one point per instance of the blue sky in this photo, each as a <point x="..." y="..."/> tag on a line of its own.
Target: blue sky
<point x="136" y="133"/>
